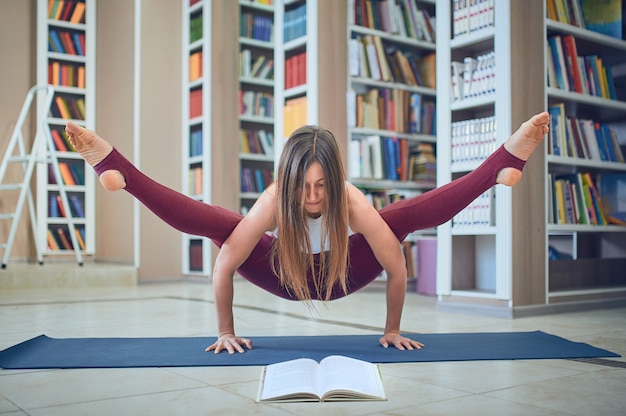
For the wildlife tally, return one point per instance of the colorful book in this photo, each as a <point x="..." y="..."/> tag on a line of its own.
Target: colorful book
<point x="64" y="239"/>
<point x="612" y="190"/>
<point x="79" y="239"/>
<point x="604" y="16"/>
<point x="66" y="174"/>
<point x="52" y="242"/>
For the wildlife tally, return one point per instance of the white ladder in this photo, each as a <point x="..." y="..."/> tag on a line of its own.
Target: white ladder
<point x="43" y="151"/>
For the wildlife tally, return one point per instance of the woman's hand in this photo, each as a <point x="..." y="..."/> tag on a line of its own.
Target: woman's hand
<point x="400" y="342"/>
<point x="230" y="343"/>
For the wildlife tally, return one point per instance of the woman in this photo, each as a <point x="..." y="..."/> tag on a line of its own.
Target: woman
<point x="311" y="234"/>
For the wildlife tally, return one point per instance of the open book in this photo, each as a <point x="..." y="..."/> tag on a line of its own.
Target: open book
<point x="334" y="378"/>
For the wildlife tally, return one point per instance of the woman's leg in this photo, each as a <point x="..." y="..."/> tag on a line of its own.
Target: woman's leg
<point x="176" y="209"/>
<point x="439" y="205"/>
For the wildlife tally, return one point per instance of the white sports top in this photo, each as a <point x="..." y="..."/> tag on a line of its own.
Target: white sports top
<point x="315" y="234"/>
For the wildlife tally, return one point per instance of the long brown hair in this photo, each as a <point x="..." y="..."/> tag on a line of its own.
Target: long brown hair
<point x="292" y="256"/>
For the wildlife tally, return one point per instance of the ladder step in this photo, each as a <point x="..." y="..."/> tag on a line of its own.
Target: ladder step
<point x="11" y="187"/>
<point x="26" y="158"/>
<point x="7" y="215"/>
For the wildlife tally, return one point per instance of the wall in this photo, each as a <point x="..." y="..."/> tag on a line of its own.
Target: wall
<point x="154" y="143"/>
<point x="114" y="122"/>
<point x="160" y="125"/>
<point x="18" y="74"/>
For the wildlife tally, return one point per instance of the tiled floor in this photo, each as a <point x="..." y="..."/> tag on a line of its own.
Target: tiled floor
<point x="542" y="387"/>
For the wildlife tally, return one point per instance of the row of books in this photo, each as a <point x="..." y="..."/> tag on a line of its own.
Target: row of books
<point x="195" y="27"/>
<point x="403" y="18"/>
<point x="423" y="163"/>
<point x="59" y="238"/>
<point x="294" y="114"/>
<point x="72" y="11"/>
<point x="599" y="16"/>
<point x="390" y="158"/>
<point x="60" y="140"/>
<point x="195" y="103"/>
<point x="66" y="74"/>
<point x="256" y="103"/>
<point x="295" y="70"/>
<point x="195" y="180"/>
<point x="581" y="198"/>
<point x="381" y="198"/>
<point x="255" y="179"/>
<point x="479" y="213"/>
<point x="261" y="67"/>
<point x="370" y="59"/>
<point x="255" y="26"/>
<point x="582" y="138"/>
<point x="72" y="173"/>
<point x="56" y="209"/>
<point x="261" y="2"/>
<point x="259" y="142"/>
<point x="581" y="74"/>
<point x="195" y="65"/>
<point x="471" y="15"/>
<point x="68" y="107"/>
<point x="392" y="109"/>
<point x="65" y="41"/>
<point x="195" y="142"/>
<point x="294" y="23"/>
<point x="472" y="140"/>
<point x="566" y="11"/>
<point x="474" y="77"/>
<point x="196" y="261"/>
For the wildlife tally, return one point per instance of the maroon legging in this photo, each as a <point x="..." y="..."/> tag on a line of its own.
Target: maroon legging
<point x="427" y="210"/>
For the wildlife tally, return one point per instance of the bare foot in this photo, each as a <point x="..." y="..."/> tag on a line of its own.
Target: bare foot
<point x="522" y="144"/>
<point x="94" y="149"/>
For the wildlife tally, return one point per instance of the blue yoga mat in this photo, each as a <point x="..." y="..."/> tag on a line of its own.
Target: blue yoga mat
<point x="45" y="352"/>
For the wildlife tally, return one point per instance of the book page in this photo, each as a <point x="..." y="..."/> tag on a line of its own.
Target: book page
<point x="346" y="374"/>
<point x="288" y="378"/>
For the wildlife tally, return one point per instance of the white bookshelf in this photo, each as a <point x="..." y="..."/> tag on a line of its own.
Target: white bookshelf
<point x="66" y="51"/>
<point x="293" y="36"/>
<point x="472" y="261"/>
<point x="257" y="93"/>
<point x="480" y="264"/>
<point x="196" y="125"/>
<point x="505" y="268"/>
<point x="590" y="256"/>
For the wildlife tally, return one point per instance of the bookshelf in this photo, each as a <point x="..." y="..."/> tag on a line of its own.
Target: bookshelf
<point x="296" y="76"/>
<point x="256" y="99"/>
<point x="196" y="111"/>
<point x="66" y="59"/>
<point x="489" y="257"/>
<point x="391" y="100"/>
<point x="210" y="85"/>
<point x="586" y="146"/>
<point x="309" y="90"/>
<point x="525" y="260"/>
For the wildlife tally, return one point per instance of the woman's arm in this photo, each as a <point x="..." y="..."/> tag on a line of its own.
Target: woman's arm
<point x="366" y="220"/>
<point x="232" y="254"/>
